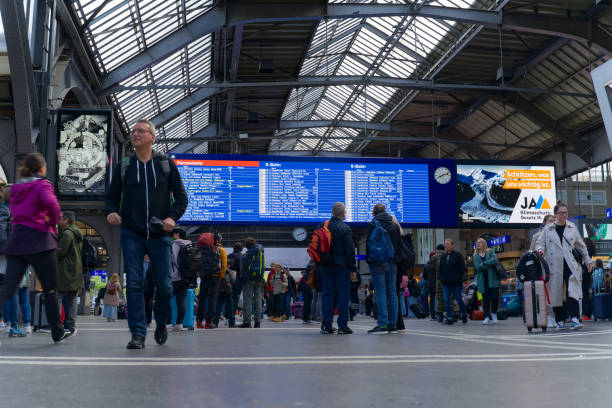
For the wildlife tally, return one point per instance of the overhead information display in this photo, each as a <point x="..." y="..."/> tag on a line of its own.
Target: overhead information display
<point x="270" y="189"/>
<point x="504" y="192"/>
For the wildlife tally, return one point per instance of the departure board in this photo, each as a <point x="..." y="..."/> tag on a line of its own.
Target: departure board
<point x="289" y="190"/>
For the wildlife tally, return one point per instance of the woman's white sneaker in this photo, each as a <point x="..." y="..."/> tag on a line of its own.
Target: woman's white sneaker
<point x="494" y="317"/>
<point x="485" y="321"/>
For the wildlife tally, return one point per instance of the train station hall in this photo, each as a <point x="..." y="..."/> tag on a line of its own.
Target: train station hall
<point x="305" y="203"/>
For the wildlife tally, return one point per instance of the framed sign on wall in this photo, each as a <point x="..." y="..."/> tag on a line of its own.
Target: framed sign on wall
<point x="82" y="151"/>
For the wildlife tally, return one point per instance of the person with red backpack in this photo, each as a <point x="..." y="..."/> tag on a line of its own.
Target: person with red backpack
<point x="214" y="265"/>
<point x="336" y="264"/>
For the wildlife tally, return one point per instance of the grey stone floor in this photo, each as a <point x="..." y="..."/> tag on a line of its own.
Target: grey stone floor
<point x="291" y="365"/>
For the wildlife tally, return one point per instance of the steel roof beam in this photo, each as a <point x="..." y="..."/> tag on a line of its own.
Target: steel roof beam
<point x="233" y="72"/>
<point x="358" y="80"/>
<point x="205" y="24"/>
<point x="23" y="86"/>
<point x="541" y="118"/>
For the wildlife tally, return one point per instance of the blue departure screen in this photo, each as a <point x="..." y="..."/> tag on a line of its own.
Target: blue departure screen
<point x="273" y="189"/>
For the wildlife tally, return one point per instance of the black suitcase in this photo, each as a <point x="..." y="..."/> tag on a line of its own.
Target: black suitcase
<point x="601" y="306"/>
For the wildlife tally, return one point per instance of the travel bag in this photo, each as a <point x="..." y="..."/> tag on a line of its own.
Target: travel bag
<point x="418" y="310"/>
<point x="535" y="305"/>
<point x="601" y="306"/>
<point x="189" y="310"/>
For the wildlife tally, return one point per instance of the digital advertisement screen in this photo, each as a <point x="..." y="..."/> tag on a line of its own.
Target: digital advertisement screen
<point x="298" y="190"/>
<point x="504" y="192"/>
<point x="82" y="151"/>
<point x="599" y="231"/>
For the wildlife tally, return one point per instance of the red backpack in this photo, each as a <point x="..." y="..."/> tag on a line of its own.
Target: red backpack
<point x="319" y="248"/>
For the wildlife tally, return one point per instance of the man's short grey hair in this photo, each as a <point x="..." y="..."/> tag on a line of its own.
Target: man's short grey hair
<point x="69" y="215"/>
<point x="379" y="208"/>
<point x="148" y="122"/>
<point x="338" y="209"/>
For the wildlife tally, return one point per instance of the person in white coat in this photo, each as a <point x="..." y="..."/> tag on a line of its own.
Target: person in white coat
<point x="565" y="286"/>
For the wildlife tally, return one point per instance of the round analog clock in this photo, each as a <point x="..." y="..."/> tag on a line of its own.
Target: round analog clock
<point x="299" y="234"/>
<point x="442" y="175"/>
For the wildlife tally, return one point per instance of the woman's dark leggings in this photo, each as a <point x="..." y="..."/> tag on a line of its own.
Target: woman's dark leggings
<point x="570" y="306"/>
<point x="180" y="291"/>
<point x="490" y="301"/>
<point x="46" y="267"/>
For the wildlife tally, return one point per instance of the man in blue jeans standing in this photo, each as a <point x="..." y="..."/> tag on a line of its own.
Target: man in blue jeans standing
<point x="383" y="274"/>
<point x="452" y="270"/>
<point x="336" y="278"/>
<point x="146" y="197"/>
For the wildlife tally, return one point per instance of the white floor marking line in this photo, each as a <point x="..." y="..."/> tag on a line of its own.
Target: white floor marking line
<point x="357" y="361"/>
<point x="304" y="358"/>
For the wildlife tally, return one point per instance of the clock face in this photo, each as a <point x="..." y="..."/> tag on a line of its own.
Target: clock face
<point x="300" y="234"/>
<point x="442" y="175"/>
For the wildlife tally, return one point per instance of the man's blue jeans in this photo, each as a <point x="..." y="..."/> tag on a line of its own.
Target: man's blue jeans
<point x="335" y="281"/>
<point x="456" y="292"/>
<point x="383" y="277"/>
<point x="134" y="248"/>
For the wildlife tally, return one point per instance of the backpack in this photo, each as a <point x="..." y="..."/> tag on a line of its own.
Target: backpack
<point x="225" y="285"/>
<point x="380" y="247"/>
<point x="531" y="267"/>
<point x="89" y="255"/>
<point x="406" y="254"/>
<point x="210" y="255"/>
<point x="110" y="290"/>
<point x="189" y="261"/>
<point x="319" y="248"/>
<point x="234" y="261"/>
<point x="255" y="262"/>
<point x="101" y="293"/>
<point x="5" y="224"/>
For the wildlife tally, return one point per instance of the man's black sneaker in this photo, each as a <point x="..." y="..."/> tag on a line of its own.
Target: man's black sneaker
<point x="464" y="318"/>
<point x="328" y="330"/>
<point x="73" y="331"/>
<point x="161" y="334"/>
<point x="257" y="325"/>
<point x="232" y="325"/>
<point x="345" y="330"/>
<point x="449" y="321"/>
<point x="67" y="333"/>
<point x="440" y="318"/>
<point x="391" y="330"/>
<point x="245" y="325"/>
<point x="137" y="343"/>
<point x="378" y="330"/>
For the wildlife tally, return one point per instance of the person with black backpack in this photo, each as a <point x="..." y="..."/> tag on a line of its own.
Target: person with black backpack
<point x="382" y="246"/>
<point x="146" y="196"/>
<point x="233" y="264"/>
<point x="214" y="266"/>
<point x="183" y="272"/>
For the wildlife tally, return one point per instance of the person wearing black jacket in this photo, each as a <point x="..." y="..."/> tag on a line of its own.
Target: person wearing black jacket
<point x="452" y="269"/>
<point x="233" y="264"/>
<point x="146" y="197"/>
<point x="429" y="274"/>
<point x="291" y="293"/>
<point x="336" y="277"/>
<point x="384" y="275"/>
<point x="306" y="292"/>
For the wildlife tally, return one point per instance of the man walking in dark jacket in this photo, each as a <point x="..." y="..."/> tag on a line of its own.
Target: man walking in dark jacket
<point x="146" y="197"/>
<point x="429" y="274"/>
<point x="452" y="269"/>
<point x="336" y="278"/>
<point x="383" y="274"/>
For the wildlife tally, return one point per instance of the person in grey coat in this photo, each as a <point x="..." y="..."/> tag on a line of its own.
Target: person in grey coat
<point x="555" y="243"/>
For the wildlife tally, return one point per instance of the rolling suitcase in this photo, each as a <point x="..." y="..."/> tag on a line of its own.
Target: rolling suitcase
<point x="601" y="306"/>
<point x="189" y="310"/>
<point x="535" y="305"/>
<point x="39" y="314"/>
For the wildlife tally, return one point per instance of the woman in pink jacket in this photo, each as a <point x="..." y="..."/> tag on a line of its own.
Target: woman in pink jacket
<point x="33" y="238"/>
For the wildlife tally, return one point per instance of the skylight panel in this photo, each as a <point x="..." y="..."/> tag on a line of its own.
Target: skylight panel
<point x="200" y="116"/>
<point x="202" y="148"/>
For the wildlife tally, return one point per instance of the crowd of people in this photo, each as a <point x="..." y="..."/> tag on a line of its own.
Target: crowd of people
<point x="146" y="197"/>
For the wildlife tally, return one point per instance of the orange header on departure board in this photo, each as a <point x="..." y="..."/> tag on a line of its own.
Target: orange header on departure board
<point x="217" y="163"/>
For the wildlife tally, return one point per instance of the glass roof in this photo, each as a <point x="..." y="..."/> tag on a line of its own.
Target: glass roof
<point x="384" y="47"/>
<point x="118" y="30"/>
